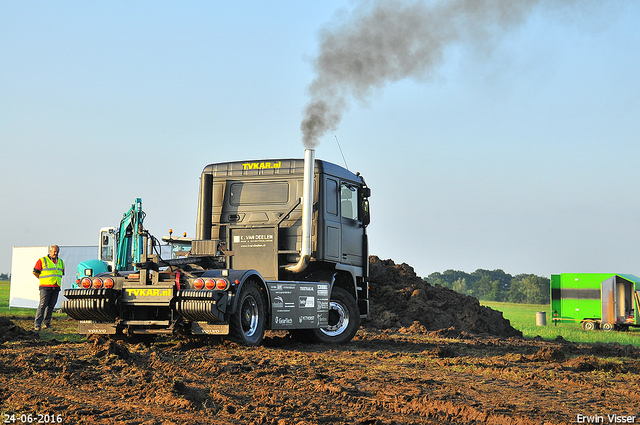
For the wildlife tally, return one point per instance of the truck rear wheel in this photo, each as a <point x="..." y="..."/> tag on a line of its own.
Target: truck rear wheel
<point x="344" y="319"/>
<point x="247" y="323"/>
<point x="589" y="325"/>
<point x="608" y="327"/>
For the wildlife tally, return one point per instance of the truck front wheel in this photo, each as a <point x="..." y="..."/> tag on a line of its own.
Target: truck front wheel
<point x="247" y="323"/>
<point x="344" y="319"/>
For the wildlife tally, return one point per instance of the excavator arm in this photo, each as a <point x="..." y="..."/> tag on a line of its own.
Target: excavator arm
<point x="130" y="240"/>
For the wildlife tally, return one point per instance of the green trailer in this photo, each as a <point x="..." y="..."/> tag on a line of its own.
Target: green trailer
<point x="607" y="301"/>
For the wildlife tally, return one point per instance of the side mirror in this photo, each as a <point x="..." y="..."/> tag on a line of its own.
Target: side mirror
<point x="366" y="217"/>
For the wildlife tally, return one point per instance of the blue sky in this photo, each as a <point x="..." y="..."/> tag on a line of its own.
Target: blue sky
<point x="519" y="155"/>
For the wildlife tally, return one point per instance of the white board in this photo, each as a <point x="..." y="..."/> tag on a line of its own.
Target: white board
<point x="24" y="291"/>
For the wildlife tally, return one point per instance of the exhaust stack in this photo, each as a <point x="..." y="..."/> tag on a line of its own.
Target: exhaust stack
<point x="307" y="212"/>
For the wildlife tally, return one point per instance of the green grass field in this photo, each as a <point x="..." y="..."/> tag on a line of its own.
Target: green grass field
<point x="523" y="318"/>
<point x="64" y="329"/>
<point x="4" y="303"/>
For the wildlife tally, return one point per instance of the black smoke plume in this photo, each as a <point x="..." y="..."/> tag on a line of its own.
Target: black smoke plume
<point x="386" y="41"/>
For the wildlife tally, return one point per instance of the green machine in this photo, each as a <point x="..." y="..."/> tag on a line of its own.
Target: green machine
<point x="119" y="249"/>
<point x="607" y="301"/>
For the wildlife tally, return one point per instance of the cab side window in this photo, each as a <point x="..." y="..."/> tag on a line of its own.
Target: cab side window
<point x="106" y="246"/>
<point x="349" y="201"/>
<point x="331" y="197"/>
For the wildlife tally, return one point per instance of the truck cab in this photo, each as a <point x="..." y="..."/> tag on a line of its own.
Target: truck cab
<point x="253" y="209"/>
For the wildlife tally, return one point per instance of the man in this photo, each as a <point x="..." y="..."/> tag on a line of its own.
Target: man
<point x="49" y="271"/>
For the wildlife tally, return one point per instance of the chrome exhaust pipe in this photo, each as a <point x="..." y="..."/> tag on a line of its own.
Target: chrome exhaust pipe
<point x="307" y="212"/>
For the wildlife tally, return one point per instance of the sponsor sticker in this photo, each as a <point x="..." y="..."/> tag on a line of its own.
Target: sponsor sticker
<point x="283" y="320"/>
<point x="307" y="302"/>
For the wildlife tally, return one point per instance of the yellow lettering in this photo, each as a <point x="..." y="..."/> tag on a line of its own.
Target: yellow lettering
<point x="260" y="165"/>
<point x="148" y="292"/>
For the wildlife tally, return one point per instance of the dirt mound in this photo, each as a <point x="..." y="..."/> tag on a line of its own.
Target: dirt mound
<point x="401" y="299"/>
<point x="549" y="354"/>
<point x="9" y="331"/>
<point x="615" y="349"/>
<point x="591" y="363"/>
<point x="105" y="347"/>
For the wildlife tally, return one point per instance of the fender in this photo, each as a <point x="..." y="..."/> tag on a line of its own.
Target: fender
<point x="354" y="272"/>
<point x="241" y="276"/>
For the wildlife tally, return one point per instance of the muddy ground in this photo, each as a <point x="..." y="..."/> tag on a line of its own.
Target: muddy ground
<point x="381" y="377"/>
<point x="395" y="371"/>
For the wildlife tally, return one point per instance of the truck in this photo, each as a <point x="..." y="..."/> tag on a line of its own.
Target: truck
<point x="606" y="301"/>
<point x="280" y="244"/>
<point x="118" y="250"/>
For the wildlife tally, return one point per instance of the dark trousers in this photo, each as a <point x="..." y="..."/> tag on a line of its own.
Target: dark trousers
<point x="48" y="299"/>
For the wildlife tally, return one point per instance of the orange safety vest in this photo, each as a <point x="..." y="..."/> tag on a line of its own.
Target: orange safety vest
<point x="51" y="274"/>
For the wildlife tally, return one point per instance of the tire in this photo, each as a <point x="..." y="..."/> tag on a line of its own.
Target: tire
<point x="608" y="327"/>
<point x="344" y="319"/>
<point x="589" y="325"/>
<point x="247" y="323"/>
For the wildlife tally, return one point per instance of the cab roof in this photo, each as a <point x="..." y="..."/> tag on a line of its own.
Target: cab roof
<point x="265" y="167"/>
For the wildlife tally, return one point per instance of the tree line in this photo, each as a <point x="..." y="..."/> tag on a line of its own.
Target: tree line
<point x="495" y="285"/>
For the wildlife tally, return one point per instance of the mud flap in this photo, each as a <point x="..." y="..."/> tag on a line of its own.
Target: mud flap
<point x="87" y="327"/>
<point x="204" y="328"/>
<point x="299" y="305"/>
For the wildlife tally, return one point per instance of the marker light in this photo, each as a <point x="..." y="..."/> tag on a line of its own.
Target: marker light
<point x="198" y="283"/>
<point x="86" y="283"/>
<point x="222" y="284"/>
<point x="97" y="283"/>
<point x="108" y="283"/>
<point x="209" y="283"/>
